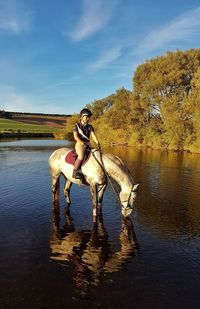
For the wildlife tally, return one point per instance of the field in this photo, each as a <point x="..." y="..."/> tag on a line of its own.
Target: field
<point x="31" y="123"/>
<point x="15" y="126"/>
<point x="49" y="121"/>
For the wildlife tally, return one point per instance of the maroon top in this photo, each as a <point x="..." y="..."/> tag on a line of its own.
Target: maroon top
<point x="83" y="131"/>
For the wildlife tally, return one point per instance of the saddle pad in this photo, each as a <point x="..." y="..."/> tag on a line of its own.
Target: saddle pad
<point x="72" y="156"/>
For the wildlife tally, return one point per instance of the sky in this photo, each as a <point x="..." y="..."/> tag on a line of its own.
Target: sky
<point x="58" y="56"/>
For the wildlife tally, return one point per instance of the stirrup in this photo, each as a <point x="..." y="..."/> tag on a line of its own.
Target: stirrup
<point x="77" y="174"/>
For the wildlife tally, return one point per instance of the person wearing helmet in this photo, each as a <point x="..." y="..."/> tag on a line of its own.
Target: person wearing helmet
<point x="82" y="132"/>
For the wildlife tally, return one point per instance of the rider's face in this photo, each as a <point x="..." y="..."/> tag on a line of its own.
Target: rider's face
<point x="85" y="119"/>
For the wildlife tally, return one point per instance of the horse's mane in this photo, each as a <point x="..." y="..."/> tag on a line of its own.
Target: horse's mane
<point x="120" y="163"/>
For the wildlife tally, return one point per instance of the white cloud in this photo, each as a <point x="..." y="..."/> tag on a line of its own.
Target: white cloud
<point x="105" y="59"/>
<point x="95" y="15"/>
<point x="14" y="17"/>
<point x="183" y="28"/>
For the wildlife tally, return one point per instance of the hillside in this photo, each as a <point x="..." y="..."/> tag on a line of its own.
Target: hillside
<point x="53" y="121"/>
<point x="25" y="124"/>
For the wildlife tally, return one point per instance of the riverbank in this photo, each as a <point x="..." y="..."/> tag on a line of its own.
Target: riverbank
<point x="18" y="129"/>
<point x="20" y="134"/>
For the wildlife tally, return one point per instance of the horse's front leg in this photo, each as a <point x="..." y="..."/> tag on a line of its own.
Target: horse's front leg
<point x="101" y="189"/>
<point x="93" y="189"/>
<point x="67" y="187"/>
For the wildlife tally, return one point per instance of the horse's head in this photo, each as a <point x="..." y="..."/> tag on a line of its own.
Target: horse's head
<point x="127" y="198"/>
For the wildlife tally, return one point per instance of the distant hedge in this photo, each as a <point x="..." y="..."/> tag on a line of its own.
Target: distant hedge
<point x="34" y="114"/>
<point x="4" y="114"/>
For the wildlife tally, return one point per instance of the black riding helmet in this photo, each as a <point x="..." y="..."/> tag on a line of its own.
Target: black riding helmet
<point x="85" y="112"/>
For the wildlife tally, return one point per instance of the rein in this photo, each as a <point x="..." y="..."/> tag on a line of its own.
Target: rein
<point x="108" y="177"/>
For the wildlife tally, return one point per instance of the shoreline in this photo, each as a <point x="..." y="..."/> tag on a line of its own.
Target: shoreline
<point x="5" y="135"/>
<point x="24" y="134"/>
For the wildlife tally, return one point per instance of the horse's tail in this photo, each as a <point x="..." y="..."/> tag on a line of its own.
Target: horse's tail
<point x="55" y="170"/>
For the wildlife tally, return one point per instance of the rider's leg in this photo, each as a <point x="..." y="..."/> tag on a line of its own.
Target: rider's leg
<point x="80" y="150"/>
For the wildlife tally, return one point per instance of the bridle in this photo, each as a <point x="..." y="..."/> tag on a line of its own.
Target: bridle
<point x="128" y="200"/>
<point x="107" y="176"/>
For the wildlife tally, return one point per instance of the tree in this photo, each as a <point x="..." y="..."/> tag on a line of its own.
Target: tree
<point x="165" y="90"/>
<point x="98" y="107"/>
<point x="114" y="124"/>
<point x="164" y="77"/>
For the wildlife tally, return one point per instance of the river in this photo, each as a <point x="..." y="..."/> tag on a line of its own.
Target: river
<point x="151" y="260"/>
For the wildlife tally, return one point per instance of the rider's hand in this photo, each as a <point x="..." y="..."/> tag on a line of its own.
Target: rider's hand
<point x="87" y="144"/>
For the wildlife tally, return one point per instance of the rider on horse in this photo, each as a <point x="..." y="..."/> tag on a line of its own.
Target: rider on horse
<point x="82" y="132"/>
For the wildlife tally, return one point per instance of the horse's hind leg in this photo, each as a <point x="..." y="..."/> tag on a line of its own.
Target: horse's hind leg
<point x="55" y="186"/>
<point x="67" y="187"/>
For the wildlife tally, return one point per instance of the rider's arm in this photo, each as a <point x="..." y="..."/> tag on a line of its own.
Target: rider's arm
<point x="77" y="138"/>
<point x="95" y="138"/>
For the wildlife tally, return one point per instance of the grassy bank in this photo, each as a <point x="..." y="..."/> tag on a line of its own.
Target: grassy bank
<point x="12" y="128"/>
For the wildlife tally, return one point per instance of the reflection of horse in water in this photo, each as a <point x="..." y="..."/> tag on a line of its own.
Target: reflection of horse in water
<point x="89" y="251"/>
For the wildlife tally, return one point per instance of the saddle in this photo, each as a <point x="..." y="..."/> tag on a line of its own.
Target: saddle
<point x="72" y="156"/>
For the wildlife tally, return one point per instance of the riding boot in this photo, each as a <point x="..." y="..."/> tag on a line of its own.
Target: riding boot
<point x="77" y="171"/>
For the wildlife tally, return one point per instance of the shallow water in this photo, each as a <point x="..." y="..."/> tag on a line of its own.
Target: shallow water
<point x="148" y="261"/>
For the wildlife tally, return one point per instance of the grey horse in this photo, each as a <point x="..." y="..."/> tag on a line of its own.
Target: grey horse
<point x="95" y="172"/>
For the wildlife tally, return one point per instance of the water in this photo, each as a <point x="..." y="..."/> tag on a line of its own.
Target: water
<point x="148" y="261"/>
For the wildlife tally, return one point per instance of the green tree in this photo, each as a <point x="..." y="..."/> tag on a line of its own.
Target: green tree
<point x="165" y="76"/>
<point x="67" y="132"/>
<point x="166" y="90"/>
<point x="114" y="125"/>
<point x="163" y="111"/>
<point x="99" y="107"/>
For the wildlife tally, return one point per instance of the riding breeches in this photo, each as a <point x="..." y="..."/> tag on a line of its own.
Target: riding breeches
<point x="80" y="150"/>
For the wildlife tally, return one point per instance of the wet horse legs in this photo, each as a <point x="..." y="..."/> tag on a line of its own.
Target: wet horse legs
<point x="55" y="187"/>
<point x="100" y="192"/>
<point x="93" y="189"/>
<point x="97" y="192"/>
<point x="67" y="193"/>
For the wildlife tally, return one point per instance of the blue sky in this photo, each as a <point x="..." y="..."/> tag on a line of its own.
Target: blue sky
<point x="57" y="56"/>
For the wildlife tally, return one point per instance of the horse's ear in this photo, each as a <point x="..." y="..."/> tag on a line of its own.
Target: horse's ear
<point x="135" y="188"/>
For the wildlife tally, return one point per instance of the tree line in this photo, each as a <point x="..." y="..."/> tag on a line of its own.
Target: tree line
<point x="10" y="115"/>
<point x="162" y="111"/>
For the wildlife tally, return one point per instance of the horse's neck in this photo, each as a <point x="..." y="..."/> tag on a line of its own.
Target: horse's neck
<point x="117" y="172"/>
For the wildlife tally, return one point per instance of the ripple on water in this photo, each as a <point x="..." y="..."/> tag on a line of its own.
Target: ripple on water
<point x="113" y="262"/>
